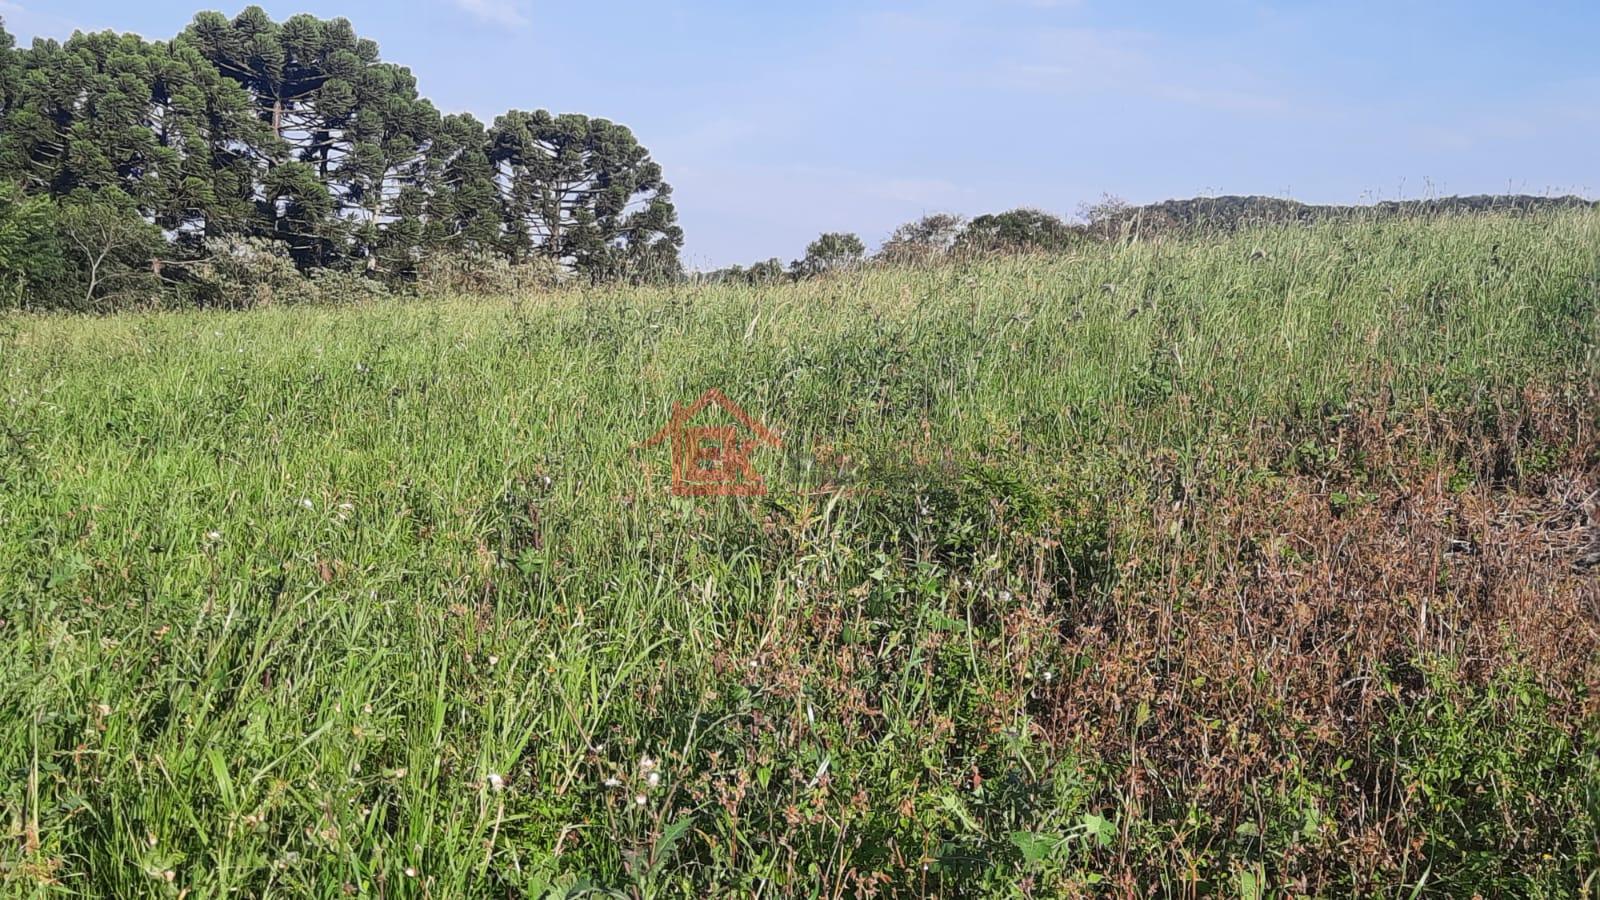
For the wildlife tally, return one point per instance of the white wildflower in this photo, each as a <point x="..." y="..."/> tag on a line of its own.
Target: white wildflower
<point x="654" y="779"/>
<point x="496" y="782"/>
<point x="306" y="502"/>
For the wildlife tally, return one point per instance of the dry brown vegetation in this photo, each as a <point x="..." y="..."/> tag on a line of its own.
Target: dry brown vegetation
<point x="1269" y="631"/>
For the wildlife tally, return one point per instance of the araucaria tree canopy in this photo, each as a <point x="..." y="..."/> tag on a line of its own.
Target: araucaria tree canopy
<point x="301" y="134"/>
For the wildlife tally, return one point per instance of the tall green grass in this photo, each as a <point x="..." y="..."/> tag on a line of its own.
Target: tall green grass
<point x="282" y="593"/>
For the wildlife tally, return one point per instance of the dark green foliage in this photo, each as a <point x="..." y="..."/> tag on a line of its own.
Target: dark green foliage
<point x="299" y="133"/>
<point x="1506" y="801"/>
<point x="356" y="123"/>
<point x="83" y="118"/>
<point x="1017" y="231"/>
<point x="463" y="212"/>
<point x="91" y="250"/>
<point x="152" y="120"/>
<point x="206" y="118"/>
<point x="830" y="252"/>
<point x="583" y="192"/>
<point x="958" y="516"/>
<point x="8" y="68"/>
<point x="33" y="262"/>
<point x="113" y="248"/>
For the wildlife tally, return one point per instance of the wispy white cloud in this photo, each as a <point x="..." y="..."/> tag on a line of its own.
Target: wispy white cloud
<point x="1224" y="99"/>
<point x="27" y="24"/>
<point x="1115" y="61"/>
<point x="1558" y="114"/>
<point x="505" y="13"/>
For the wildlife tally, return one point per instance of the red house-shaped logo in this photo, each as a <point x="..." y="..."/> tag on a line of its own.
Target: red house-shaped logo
<point x="714" y="460"/>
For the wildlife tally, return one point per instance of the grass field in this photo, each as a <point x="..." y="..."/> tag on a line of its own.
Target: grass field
<point x="1257" y="565"/>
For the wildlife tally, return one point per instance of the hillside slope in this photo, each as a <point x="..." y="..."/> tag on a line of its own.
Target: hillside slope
<point x="1235" y="563"/>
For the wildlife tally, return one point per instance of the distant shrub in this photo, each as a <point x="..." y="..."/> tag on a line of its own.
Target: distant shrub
<point x="245" y="273"/>
<point x="726" y="275"/>
<point x="248" y="273"/>
<point x="1105" y="217"/>
<point x="927" y="238"/>
<point x="830" y="252"/>
<point x="340" y="288"/>
<point x="655" y="262"/>
<point x="1018" y="230"/>
<point x="766" y="272"/>
<point x="479" y="272"/>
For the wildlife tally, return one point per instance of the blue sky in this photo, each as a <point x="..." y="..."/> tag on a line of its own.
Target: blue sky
<point x="776" y="121"/>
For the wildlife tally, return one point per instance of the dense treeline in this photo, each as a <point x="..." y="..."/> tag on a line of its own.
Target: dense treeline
<point x="1229" y="213"/>
<point x="129" y="166"/>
